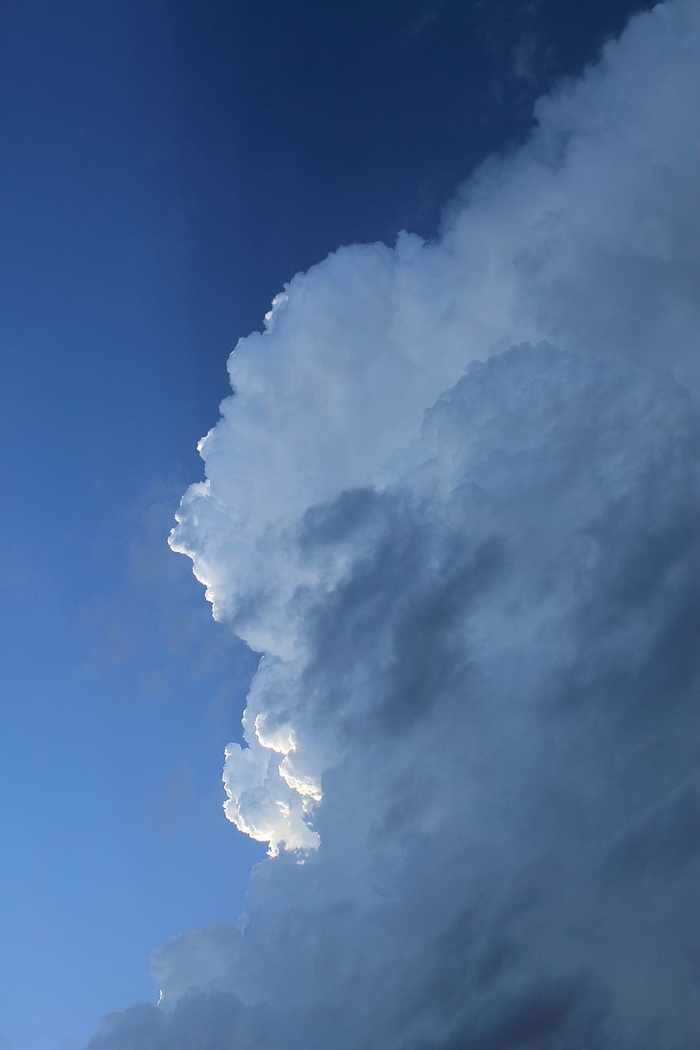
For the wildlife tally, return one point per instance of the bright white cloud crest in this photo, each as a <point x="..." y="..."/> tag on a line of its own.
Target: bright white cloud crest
<point x="474" y="593"/>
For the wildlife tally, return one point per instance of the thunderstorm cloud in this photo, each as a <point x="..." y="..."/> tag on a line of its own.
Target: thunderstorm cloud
<point x="452" y="502"/>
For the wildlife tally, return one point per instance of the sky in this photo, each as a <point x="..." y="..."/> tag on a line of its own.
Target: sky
<point x="446" y="531"/>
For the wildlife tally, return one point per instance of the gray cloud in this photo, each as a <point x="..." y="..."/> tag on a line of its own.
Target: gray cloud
<point x="472" y="736"/>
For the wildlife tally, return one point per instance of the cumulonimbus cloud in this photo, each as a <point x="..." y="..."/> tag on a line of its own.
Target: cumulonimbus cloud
<point x="452" y="502"/>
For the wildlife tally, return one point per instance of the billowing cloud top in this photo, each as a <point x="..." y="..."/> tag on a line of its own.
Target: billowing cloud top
<point x="472" y="738"/>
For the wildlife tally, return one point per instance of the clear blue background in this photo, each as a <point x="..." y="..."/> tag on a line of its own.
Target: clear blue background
<point x="165" y="168"/>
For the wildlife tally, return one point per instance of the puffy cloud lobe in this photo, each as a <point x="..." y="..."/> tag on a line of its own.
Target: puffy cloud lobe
<point x="473" y="733"/>
<point x="200" y="1021"/>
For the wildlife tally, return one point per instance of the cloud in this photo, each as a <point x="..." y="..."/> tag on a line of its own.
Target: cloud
<point x="452" y="503"/>
<point x="201" y="1020"/>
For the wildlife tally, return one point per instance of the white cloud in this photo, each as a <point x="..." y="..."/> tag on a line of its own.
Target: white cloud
<point x="475" y="595"/>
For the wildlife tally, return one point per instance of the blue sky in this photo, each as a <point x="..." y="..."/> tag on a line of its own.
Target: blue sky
<point x="116" y="682"/>
<point x="167" y="167"/>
